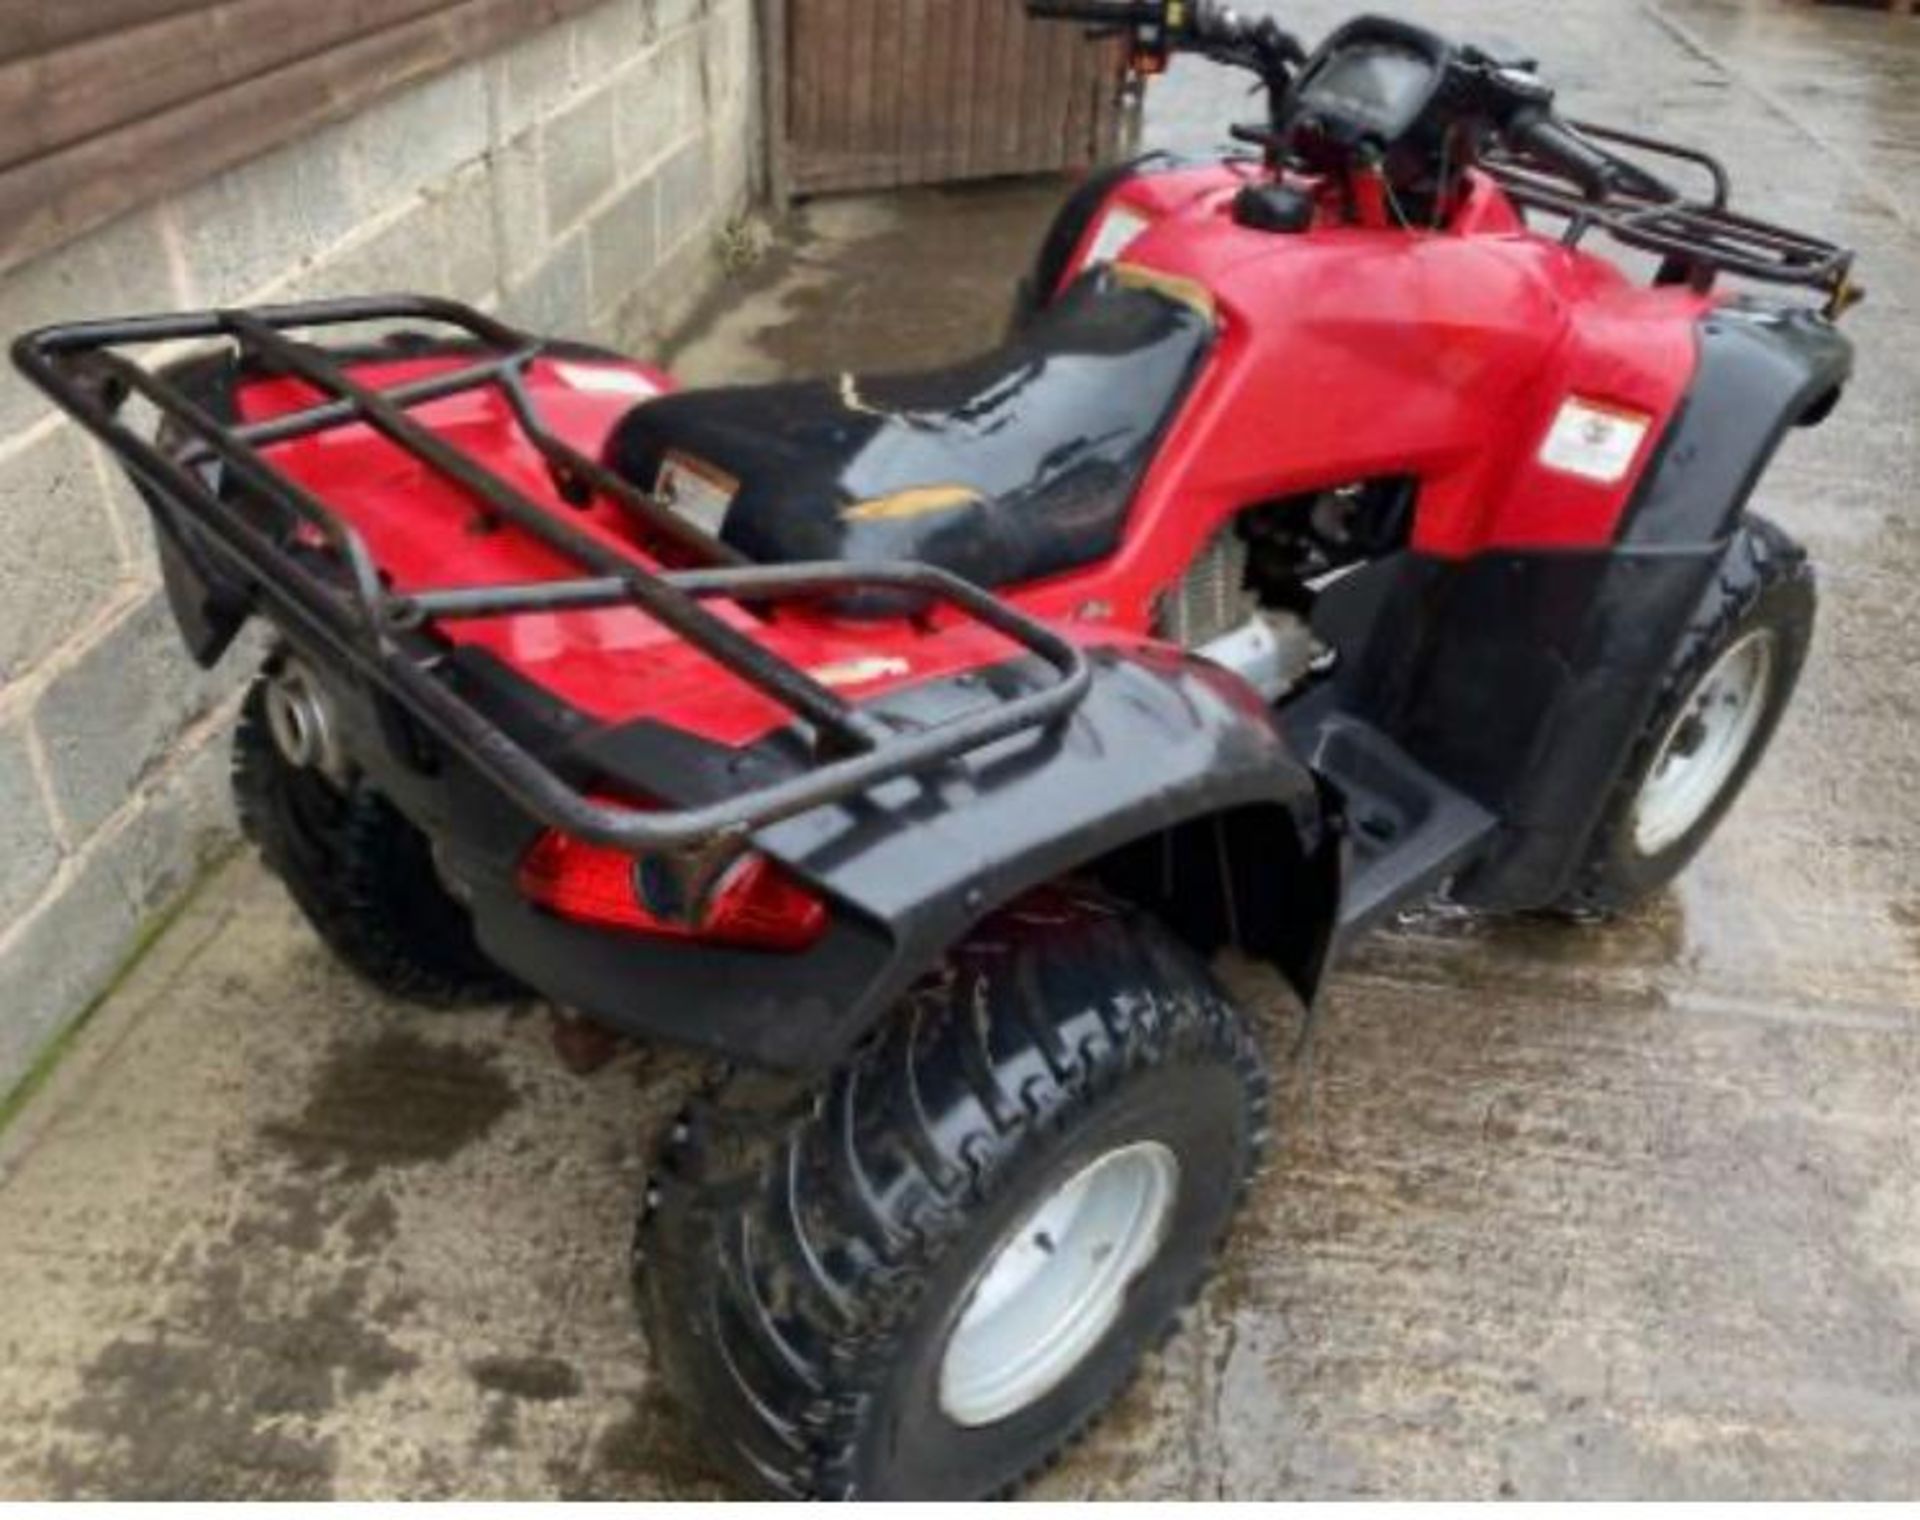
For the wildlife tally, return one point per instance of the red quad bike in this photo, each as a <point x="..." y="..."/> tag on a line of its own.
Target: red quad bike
<point x="1326" y="535"/>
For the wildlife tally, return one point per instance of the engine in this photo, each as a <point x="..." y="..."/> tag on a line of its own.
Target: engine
<point x="1244" y="602"/>
<point x="1215" y="612"/>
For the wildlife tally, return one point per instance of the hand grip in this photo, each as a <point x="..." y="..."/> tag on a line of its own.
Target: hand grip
<point x="1544" y="136"/>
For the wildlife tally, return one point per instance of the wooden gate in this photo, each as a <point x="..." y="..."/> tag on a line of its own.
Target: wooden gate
<point x="905" y="92"/>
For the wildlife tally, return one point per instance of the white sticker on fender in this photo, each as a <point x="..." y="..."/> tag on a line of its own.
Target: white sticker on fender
<point x="1594" y="441"/>
<point x="696" y="490"/>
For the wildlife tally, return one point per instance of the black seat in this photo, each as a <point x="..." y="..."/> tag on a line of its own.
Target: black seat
<point x="1015" y="465"/>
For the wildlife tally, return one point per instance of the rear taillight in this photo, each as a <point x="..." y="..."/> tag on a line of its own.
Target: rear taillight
<point x="756" y="904"/>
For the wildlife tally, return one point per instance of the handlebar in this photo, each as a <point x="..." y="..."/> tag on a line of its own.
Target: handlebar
<point x="1495" y="92"/>
<point x="1193" y="26"/>
<point x="1098" y="12"/>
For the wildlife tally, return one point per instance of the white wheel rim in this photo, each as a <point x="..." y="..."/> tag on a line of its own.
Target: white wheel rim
<point x="1056" y="1282"/>
<point x="1704" y="745"/>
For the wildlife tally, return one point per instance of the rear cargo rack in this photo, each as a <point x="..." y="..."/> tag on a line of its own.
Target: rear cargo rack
<point x="1699" y="238"/>
<point x="368" y="626"/>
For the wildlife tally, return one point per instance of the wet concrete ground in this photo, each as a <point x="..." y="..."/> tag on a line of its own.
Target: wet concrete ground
<point x="1632" y="1210"/>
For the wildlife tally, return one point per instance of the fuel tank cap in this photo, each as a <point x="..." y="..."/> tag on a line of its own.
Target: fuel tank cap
<point x="1273" y="208"/>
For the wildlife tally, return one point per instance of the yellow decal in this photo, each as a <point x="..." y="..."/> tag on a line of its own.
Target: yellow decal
<point x="1176" y="288"/>
<point x="858" y="672"/>
<point x="853" y="401"/>
<point x="915" y="502"/>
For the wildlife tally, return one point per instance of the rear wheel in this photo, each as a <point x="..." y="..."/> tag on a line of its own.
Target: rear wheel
<point x="363" y="876"/>
<point x="923" y="1278"/>
<point x="1724" y="694"/>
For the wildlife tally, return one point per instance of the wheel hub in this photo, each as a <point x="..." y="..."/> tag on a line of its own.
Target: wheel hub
<point x="1055" y="1283"/>
<point x="1703" y="747"/>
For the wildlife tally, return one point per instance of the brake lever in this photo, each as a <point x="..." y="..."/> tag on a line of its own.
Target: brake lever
<point x="1271" y="37"/>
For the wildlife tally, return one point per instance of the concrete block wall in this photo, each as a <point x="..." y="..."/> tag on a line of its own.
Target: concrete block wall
<point x="574" y="181"/>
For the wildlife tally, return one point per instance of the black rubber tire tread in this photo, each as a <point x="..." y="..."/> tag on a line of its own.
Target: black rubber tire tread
<point x="789" y="1233"/>
<point x="361" y="874"/>
<point x="1764" y="580"/>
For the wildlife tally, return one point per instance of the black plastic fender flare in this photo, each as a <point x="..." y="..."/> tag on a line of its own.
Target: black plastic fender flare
<point x="1167" y="756"/>
<point x="1762" y="371"/>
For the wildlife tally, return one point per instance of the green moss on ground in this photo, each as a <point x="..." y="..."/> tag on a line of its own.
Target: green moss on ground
<point x="14" y="1102"/>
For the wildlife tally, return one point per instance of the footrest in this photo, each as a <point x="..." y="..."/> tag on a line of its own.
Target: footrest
<point x="1409" y="830"/>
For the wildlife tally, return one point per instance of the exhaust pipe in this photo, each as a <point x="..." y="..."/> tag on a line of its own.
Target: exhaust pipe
<point x="1273" y="652"/>
<point x="301" y="719"/>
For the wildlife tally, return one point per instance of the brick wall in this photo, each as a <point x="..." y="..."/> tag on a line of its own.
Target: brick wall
<point x="573" y="181"/>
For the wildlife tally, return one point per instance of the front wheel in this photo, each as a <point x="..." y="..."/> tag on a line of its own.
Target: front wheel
<point x="922" y="1279"/>
<point x="1724" y="694"/>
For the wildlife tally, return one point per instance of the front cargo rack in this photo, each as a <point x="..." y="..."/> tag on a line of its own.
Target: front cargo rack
<point x="1697" y="239"/>
<point x="368" y="626"/>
